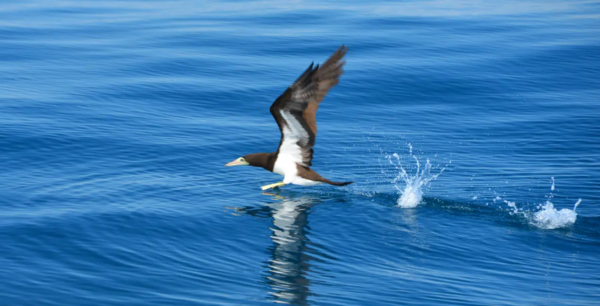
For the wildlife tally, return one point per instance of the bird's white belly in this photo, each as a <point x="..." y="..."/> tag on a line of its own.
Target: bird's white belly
<point x="286" y="166"/>
<point x="303" y="182"/>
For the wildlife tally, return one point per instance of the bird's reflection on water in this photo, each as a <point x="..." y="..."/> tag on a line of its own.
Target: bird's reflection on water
<point x="289" y="264"/>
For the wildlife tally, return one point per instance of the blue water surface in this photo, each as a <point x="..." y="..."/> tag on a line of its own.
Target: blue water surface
<point x="116" y="118"/>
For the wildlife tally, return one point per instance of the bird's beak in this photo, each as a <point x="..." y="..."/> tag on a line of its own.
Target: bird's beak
<point x="238" y="162"/>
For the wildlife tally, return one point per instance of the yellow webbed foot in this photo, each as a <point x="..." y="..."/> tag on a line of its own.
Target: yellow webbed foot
<point x="280" y="184"/>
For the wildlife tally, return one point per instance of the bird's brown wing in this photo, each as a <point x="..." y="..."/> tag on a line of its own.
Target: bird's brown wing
<point x="296" y="109"/>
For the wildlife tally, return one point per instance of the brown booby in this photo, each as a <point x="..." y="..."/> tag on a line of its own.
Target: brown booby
<point x="295" y="111"/>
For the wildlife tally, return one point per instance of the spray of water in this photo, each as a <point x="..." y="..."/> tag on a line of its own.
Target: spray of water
<point x="410" y="186"/>
<point x="547" y="217"/>
<point x="550" y="218"/>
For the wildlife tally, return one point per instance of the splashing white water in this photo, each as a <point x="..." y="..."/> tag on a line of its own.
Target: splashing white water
<point x="550" y="218"/>
<point x="411" y="194"/>
<point x="547" y="217"/>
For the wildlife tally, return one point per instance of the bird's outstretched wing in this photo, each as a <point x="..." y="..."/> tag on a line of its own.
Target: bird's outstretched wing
<point x="296" y="109"/>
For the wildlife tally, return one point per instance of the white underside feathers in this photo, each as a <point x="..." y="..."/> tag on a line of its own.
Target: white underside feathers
<point x="290" y="153"/>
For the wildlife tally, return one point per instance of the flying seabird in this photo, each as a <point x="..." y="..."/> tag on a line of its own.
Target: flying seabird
<point x="295" y="111"/>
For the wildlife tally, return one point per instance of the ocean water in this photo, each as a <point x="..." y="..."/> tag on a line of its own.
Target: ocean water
<point x="471" y="130"/>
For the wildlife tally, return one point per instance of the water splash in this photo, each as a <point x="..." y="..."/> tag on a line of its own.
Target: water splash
<point x="547" y="217"/>
<point x="551" y="218"/>
<point x="411" y="193"/>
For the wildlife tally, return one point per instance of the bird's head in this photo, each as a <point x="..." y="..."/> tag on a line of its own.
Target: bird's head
<point x="256" y="160"/>
<point x="238" y="162"/>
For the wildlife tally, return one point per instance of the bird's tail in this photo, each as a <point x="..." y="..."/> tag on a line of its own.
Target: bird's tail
<point x="310" y="174"/>
<point x="336" y="183"/>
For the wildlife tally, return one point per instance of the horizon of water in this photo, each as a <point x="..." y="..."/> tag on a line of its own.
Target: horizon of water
<point x="470" y="130"/>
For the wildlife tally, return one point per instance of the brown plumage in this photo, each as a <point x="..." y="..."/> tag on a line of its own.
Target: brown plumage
<point x="267" y="161"/>
<point x="324" y="78"/>
<point x="302" y="100"/>
<point x="310" y="174"/>
<point x="263" y="160"/>
<point x="295" y="113"/>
